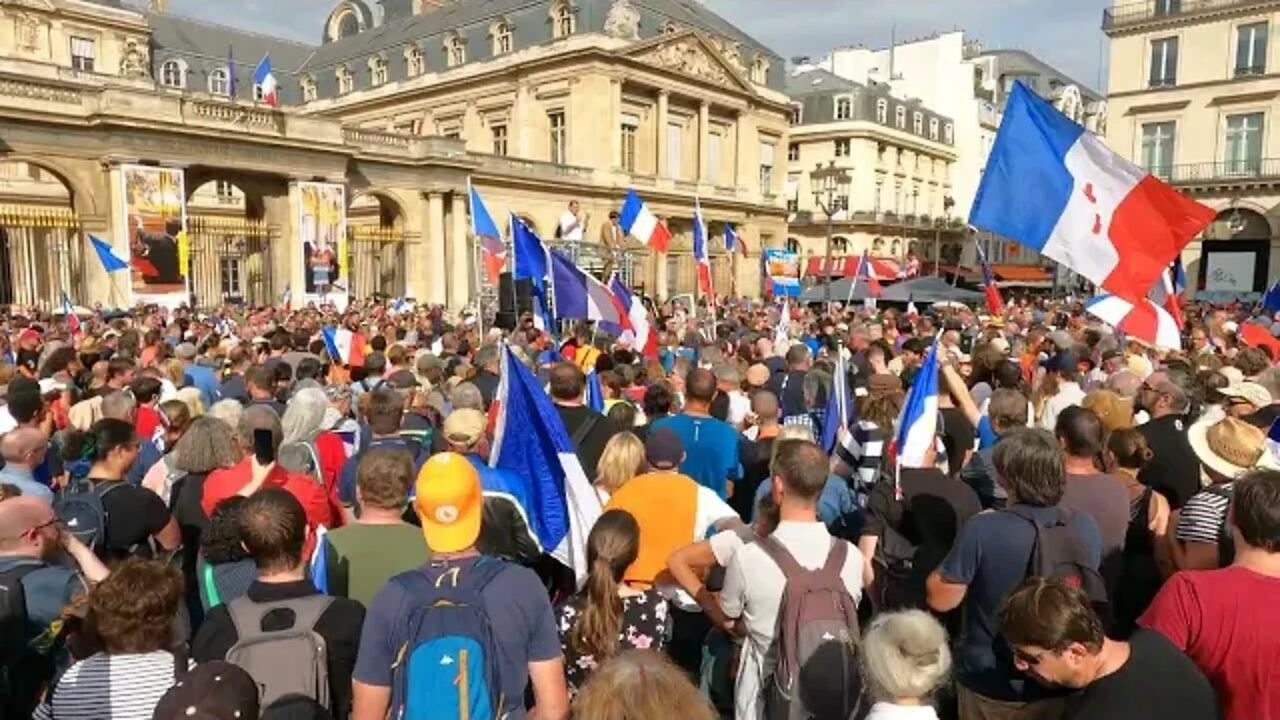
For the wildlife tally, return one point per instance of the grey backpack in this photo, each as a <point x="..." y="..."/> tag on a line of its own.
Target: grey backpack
<point x="818" y="675"/>
<point x="287" y="664"/>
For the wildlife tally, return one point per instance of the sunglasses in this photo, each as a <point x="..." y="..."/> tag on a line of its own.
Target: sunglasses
<point x="36" y="530"/>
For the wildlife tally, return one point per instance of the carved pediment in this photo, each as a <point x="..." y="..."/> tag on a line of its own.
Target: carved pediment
<point x="692" y="54"/>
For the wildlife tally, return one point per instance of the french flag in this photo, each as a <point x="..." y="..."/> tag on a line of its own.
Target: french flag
<point x="643" y="225"/>
<point x="70" y="318"/>
<point x="1143" y="320"/>
<point x="344" y="346"/>
<point x="867" y="274"/>
<point x="841" y="411"/>
<point x="492" y="251"/>
<point x="918" y="421"/>
<point x="595" y="392"/>
<point x="1273" y="443"/>
<point x="637" y="317"/>
<point x="1271" y="299"/>
<point x="286" y="298"/>
<point x="1168" y="291"/>
<point x="265" y="79"/>
<point x="912" y="311"/>
<point x="730" y="238"/>
<point x="1057" y="189"/>
<point x="700" y="255"/>
<point x="529" y="262"/>
<point x="580" y="296"/>
<point x="531" y="441"/>
<point x="995" y="303"/>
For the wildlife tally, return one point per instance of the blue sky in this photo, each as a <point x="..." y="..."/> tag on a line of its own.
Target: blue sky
<point x="1064" y="33"/>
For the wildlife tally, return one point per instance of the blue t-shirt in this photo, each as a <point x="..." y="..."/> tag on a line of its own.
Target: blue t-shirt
<point x="986" y="434"/>
<point x="148" y="455"/>
<point x="710" y="450"/>
<point x="991" y="555"/>
<point x="521" y="619"/>
<point x="837" y="502"/>
<point x="204" y="380"/>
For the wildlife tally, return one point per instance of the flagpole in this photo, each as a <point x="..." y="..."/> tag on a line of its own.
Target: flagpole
<point x="476" y="261"/>
<point x="854" y="286"/>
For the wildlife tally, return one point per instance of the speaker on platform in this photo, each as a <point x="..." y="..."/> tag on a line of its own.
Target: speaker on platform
<point x="515" y="297"/>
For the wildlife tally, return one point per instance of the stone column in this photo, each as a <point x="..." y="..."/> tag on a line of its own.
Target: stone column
<point x="661" y="144"/>
<point x="660" y="281"/>
<point x="614" y="125"/>
<point x="416" y="257"/>
<point x="279" y="211"/>
<point x="459" y="254"/>
<point x="704" y="138"/>
<point x="435" y="256"/>
<point x="739" y="149"/>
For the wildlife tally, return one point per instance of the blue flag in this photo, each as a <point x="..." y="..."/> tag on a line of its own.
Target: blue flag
<point x="841" y="412"/>
<point x="531" y="441"/>
<point x="531" y="264"/>
<point x="110" y="261"/>
<point x="595" y="393"/>
<point x="1271" y="301"/>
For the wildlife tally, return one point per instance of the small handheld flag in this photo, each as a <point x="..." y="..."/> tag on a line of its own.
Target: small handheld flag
<point x="110" y="261"/>
<point x="866" y="273"/>
<point x="730" y="238"/>
<point x="841" y="412"/>
<point x="995" y="303"/>
<point x="918" y="422"/>
<point x="69" y="316"/>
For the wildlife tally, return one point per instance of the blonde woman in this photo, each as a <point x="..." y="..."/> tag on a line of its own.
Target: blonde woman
<point x="905" y="660"/>
<point x="622" y="459"/>
<point x="640" y="684"/>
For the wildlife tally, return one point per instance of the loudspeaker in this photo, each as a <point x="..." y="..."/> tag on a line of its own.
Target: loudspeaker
<point x="515" y="297"/>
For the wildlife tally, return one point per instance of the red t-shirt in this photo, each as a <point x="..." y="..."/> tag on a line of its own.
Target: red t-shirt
<point x="333" y="455"/>
<point x="146" y="421"/>
<point x="1226" y="622"/>
<point x="224" y="483"/>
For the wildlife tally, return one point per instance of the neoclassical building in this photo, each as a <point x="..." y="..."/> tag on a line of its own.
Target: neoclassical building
<point x="534" y="102"/>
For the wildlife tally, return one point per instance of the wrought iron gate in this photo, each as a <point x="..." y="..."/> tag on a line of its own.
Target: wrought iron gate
<point x="230" y="261"/>
<point x="41" y="256"/>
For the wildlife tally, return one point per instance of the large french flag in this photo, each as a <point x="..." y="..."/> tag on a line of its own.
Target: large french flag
<point x="918" y="421"/>
<point x="531" y="441"/>
<point x="1057" y="189"/>
<point x="580" y="296"/>
<point x="700" y="255"/>
<point x="344" y="346"/>
<point x="1143" y="320"/>
<point x="265" y="79"/>
<point x="529" y="262"/>
<point x="638" y="319"/>
<point x="995" y="303"/>
<point x="641" y="224"/>
<point x="492" y="252"/>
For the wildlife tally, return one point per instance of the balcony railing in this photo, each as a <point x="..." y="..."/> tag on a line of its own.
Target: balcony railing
<point x="887" y="219"/>
<point x="1148" y="10"/>
<point x="1237" y="170"/>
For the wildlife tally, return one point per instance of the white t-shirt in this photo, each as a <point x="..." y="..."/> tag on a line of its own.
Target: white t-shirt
<point x="739" y="408"/>
<point x="752" y="591"/>
<point x="1069" y="393"/>
<point x="570" y="228"/>
<point x="7" y="422"/>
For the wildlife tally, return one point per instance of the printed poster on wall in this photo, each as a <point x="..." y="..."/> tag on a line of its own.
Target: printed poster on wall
<point x="155" y="212"/>
<point x="782" y="273"/>
<point x="1230" y="271"/>
<point x="322" y="229"/>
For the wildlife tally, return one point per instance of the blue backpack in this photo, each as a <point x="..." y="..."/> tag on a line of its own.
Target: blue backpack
<point x="447" y="668"/>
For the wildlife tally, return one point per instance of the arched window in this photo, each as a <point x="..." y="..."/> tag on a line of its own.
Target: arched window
<point x="348" y="25"/>
<point x="377" y="70"/>
<point x="917" y="123"/>
<point x="455" y="50"/>
<point x="414" y="65"/>
<point x="670" y="28"/>
<point x="503" y="38"/>
<point x="309" y="89"/>
<point x="840" y="245"/>
<point x="882" y="111"/>
<point x="220" y="82"/>
<point x="900" y="117"/>
<point x="948" y="133"/>
<point x="844" y="108"/>
<point x="793" y="245"/>
<point x="346" y="81"/>
<point x="933" y="128"/>
<point x="760" y="70"/>
<point x="173" y="73"/>
<point x="563" y="22"/>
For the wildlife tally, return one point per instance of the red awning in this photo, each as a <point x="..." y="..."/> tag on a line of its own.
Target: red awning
<point x="1021" y="273"/>
<point x="885" y="269"/>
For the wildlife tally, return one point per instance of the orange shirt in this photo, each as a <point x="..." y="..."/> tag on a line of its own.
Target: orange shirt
<point x="665" y="506"/>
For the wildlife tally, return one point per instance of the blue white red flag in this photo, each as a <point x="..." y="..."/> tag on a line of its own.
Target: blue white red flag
<point x="1166" y="292"/>
<point x="107" y="256"/>
<point x="70" y="318"/>
<point x="286" y="298"/>
<point x="1057" y="189"/>
<point x="866" y="273"/>
<point x="529" y="262"/>
<point x="637" y="319"/>
<point x="493" y="253"/>
<point x="531" y="441"/>
<point x="579" y="296"/>
<point x="918" y="422"/>
<point x="730" y="239"/>
<point x="595" y="393"/>
<point x="641" y="224"/>
<point x="1271" y="300"/>
<point x="700" y="255"/>
<point x="344" y="346"/>
<point x="264" y="79"/>
<point x="912" y="310"/>
<point x="1144" y="320"/>
<point x="841" y="412"/>
<point x="995" y="303"/>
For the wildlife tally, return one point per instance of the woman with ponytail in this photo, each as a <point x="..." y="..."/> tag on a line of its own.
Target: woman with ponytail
<point x="607" y="617"/>
<point x="99" y="461"/>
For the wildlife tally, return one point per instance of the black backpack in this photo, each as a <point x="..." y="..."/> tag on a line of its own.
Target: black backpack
<point x="79" y="507"/>
<point x="23" y="671"/>
<point x="1226" y="541"/>
<point x="1057" y="552"/>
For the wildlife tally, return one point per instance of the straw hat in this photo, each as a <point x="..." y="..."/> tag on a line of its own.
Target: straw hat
<point x="1229" y="447"/>
<point x="1115" y="411"/>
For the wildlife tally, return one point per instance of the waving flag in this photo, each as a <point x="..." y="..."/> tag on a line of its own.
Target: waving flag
<point x="232" y="84"/>
<point x="782" y="333"/>
<point x="730" y="239"/>
<point x="912" y="311"/>
<point x="867" y="274"/>
<point x="700" y="255"/>
<point x="1143" y="320"/>
<point x="529" y="262"/>
<point x="493" y="252"/>
<point x="110" y="261"/>
<point x="595" y="393"/>
<point x="995" y="303"/>
<point x="580" y="296"/>
<point x="1273" y="442"/>
<point x="918" y="422"/>
<point x="1166" y="293"/>
<point x="318" y="564"/>
<point x="643" y="225"/>
<point x="1271" y="300"/>
<point x="841" y="412"/>
<point x="531" y="441"/>
<point x="265" y="79"/>
<point x="1057" y="189"/>
<point x="70" y="318"/>
<point x="637" y="319"/>
<point x="286" y="298"/>
<point x="344" y="346"/>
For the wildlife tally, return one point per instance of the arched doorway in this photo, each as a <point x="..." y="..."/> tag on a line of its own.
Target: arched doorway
<point x="40" y="238"/>
<point x="230" y="244"/>
<point x="1236" y="252"/>
<point x="375" y="246"/>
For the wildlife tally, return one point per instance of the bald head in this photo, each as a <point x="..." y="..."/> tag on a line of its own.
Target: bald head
<point x="18" y="517"/>
<point x="23" y="446"/>
<point x="764" y="405"/>
<point x="1125" y="384"/>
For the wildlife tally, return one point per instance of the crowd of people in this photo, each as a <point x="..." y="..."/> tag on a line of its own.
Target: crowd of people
<point x="208" y="515"/>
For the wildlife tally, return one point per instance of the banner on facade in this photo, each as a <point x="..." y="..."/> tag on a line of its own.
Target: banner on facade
<point x="322" y="230"/>
<point x="155" y="213"/>
<point x="782" y="273"/>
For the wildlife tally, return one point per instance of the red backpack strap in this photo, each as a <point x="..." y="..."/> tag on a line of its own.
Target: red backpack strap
<point x="783" y="558"/>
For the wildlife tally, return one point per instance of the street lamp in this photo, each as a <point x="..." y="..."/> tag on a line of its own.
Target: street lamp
<point x="830" y="184"/>
<point x="947" y="203"/>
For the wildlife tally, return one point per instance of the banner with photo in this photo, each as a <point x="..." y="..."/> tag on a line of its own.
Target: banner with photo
<point x="155" y="213"/>
<point x="322" y="231"/>
<point x="782" y="273"/>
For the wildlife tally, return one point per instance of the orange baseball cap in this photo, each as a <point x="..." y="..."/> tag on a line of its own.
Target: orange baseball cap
<point x="449" y="503"/>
